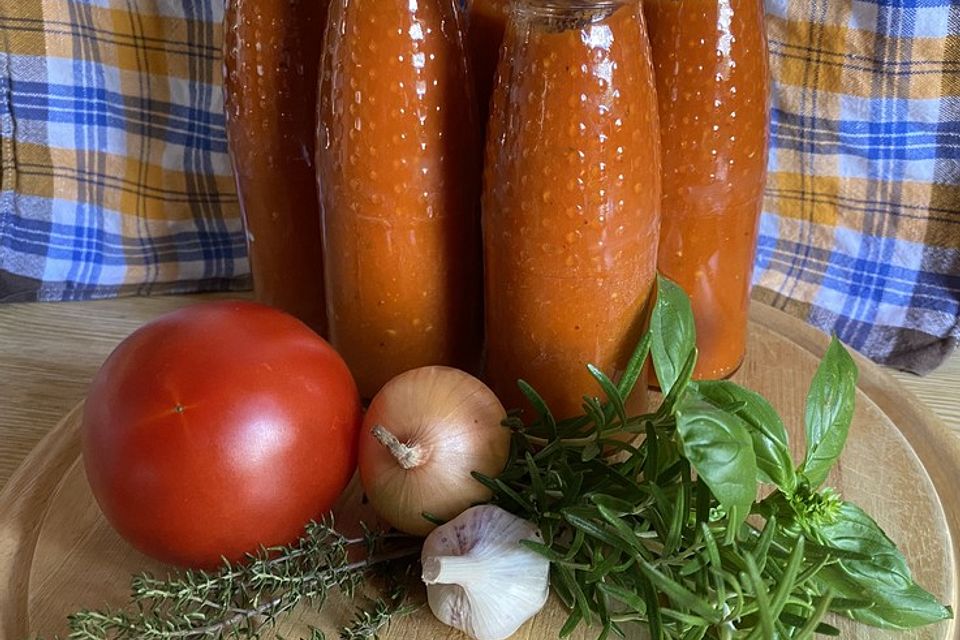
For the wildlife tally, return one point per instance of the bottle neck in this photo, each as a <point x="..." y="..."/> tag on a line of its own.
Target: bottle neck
<point x="578" y="12"/>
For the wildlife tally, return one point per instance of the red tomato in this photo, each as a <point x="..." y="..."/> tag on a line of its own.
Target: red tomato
<point x="218" y="428"/>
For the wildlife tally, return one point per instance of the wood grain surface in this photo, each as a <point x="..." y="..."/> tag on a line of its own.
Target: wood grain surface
<point x="57" y="553"/>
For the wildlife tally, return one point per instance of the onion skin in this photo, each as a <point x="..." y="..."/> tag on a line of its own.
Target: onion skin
<point x="447" y="424"/>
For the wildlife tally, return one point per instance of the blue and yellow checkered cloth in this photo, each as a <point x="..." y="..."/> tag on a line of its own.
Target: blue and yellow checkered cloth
<point x="115" y="173"/>
<point x="861" y="233"/>
<point x="116" y="180"/>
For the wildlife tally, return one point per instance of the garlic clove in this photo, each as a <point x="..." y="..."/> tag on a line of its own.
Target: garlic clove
<point x="479" y="578"/>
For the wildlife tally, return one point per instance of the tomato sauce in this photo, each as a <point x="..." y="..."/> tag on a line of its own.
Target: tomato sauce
<point x="571" y="200"/>
<point x="486" y="22"/>
<point x="271" y="54"/>
<point x="712" y="81"/>
<point x="398" y="165"/>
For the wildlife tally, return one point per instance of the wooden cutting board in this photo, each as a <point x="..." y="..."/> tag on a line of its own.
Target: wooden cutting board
<point x="57" y="554"/>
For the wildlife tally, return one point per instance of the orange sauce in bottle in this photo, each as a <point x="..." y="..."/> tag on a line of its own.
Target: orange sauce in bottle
<point x="271" y="54"/>
<point x="571" y="199"/>
<point x="712" y="80"/>
<point x="398" y="156"/>
<point x="486" y="22"/>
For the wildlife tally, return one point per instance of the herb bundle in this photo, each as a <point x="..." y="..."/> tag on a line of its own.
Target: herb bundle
<point x="668" y="532"/>
<point x="651" y="519"/>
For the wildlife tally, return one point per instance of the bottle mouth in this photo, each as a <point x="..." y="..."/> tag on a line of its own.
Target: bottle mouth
<point x="564" y="15"/>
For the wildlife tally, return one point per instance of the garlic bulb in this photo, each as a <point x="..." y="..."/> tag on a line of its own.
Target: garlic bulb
<point x="479" y="578"/>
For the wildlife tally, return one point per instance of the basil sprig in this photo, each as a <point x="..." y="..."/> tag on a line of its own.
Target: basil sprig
<point x="829" y="412"/>
<point x="655" y="519"/>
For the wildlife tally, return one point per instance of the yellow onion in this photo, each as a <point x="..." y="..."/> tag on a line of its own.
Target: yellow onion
<point x="423" y="435"/>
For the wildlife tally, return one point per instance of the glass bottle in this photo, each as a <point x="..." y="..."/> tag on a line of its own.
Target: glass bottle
<point x="398" y="164"/>
<point x="486" y="22"/>
<point x="712" y="75"/>
<point x="571" y="199"/>
<point x="271" y="53"/>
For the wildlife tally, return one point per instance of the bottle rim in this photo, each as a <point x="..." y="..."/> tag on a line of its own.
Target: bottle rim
<point x="589" y="10"/>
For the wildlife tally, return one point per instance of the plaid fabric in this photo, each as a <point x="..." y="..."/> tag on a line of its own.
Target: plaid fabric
<point x="115" y="173"/>
<point x="861" y="233"/>
<point x="115" y="177"/>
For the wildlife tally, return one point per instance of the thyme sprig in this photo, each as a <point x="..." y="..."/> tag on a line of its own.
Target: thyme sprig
<point x="241" y="600"/>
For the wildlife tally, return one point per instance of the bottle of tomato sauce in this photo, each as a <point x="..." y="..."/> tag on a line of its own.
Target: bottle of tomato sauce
<point x="271" y="53"/>
<point x="398" y="166"/>
<point x="571" y="198"/>
<point x="486" y="22"/>
<point x="712" y="81"/>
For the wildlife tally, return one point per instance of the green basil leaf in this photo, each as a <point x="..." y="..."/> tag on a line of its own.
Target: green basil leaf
<point x="878" y="574"/>
<point x="719" y="447"/>
<point x="829" y="412"/>
<point x="674" y="335"/>
<point x="770" y="443"/>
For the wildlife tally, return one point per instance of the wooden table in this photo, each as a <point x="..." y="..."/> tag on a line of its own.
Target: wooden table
<point x="49" y="353"/>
